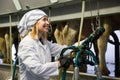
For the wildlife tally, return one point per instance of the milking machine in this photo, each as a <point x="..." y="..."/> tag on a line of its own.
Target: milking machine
<point x="84" y="49"/>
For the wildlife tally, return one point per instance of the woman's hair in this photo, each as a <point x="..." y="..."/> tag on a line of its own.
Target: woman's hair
<point x="21" y="37"/>
<point x="35" y="33"/>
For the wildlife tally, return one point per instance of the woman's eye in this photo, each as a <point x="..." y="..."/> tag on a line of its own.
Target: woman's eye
<point x="45" y="19"/>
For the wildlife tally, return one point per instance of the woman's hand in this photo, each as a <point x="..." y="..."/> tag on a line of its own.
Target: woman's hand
<point x="64" y="62"/>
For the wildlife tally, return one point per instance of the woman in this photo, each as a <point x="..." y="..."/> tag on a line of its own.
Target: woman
<point x="35" y="51"/>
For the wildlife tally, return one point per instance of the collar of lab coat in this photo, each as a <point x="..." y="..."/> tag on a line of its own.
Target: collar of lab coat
<point x="44" y="46"/>
<point x="39" y="42"/>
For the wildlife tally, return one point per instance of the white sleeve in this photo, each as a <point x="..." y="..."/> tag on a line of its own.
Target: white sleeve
<point x="57" y="48"/>
<point x="32" y="63"/>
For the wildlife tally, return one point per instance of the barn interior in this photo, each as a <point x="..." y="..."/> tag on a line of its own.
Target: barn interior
<point x="59" y="12"/>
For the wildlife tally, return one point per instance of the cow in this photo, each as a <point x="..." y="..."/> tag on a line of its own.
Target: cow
<point x="66" y="32"/>
<point x="110" y="23"/>
<point x="5" y="48"/>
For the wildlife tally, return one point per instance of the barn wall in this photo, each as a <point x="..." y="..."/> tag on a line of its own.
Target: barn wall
<point x="63" y="10"/>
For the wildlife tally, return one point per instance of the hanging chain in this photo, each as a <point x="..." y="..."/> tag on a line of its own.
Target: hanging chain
<point x="97" y="21"/>
<point x="98" y="16"/>
<point x="92" y="23"/>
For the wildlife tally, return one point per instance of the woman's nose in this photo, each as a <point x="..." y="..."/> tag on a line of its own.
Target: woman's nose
<point x="48" y="22"/>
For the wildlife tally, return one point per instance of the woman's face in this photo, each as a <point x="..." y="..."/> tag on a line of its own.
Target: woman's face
<point x="43" y="24"/>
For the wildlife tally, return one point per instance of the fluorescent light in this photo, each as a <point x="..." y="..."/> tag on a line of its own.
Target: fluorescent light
<point x="53" y="1"/>
<point x="17" y="4"/>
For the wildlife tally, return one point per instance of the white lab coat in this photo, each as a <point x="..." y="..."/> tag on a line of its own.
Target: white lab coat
<point x="35" y="59"/>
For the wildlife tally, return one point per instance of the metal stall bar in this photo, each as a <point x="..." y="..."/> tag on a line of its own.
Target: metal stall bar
<point x="117" y="54"/>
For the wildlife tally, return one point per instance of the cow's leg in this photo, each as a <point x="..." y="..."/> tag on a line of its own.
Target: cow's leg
<point x="58" y="35"/>
<point x="70" y="32"/>
<point x="3" y="49"/>
<point x="102" y="44"/>
<point x="8" y="48"/>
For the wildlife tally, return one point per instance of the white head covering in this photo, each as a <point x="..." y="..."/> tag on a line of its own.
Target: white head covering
<point x="29" y="19"/>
